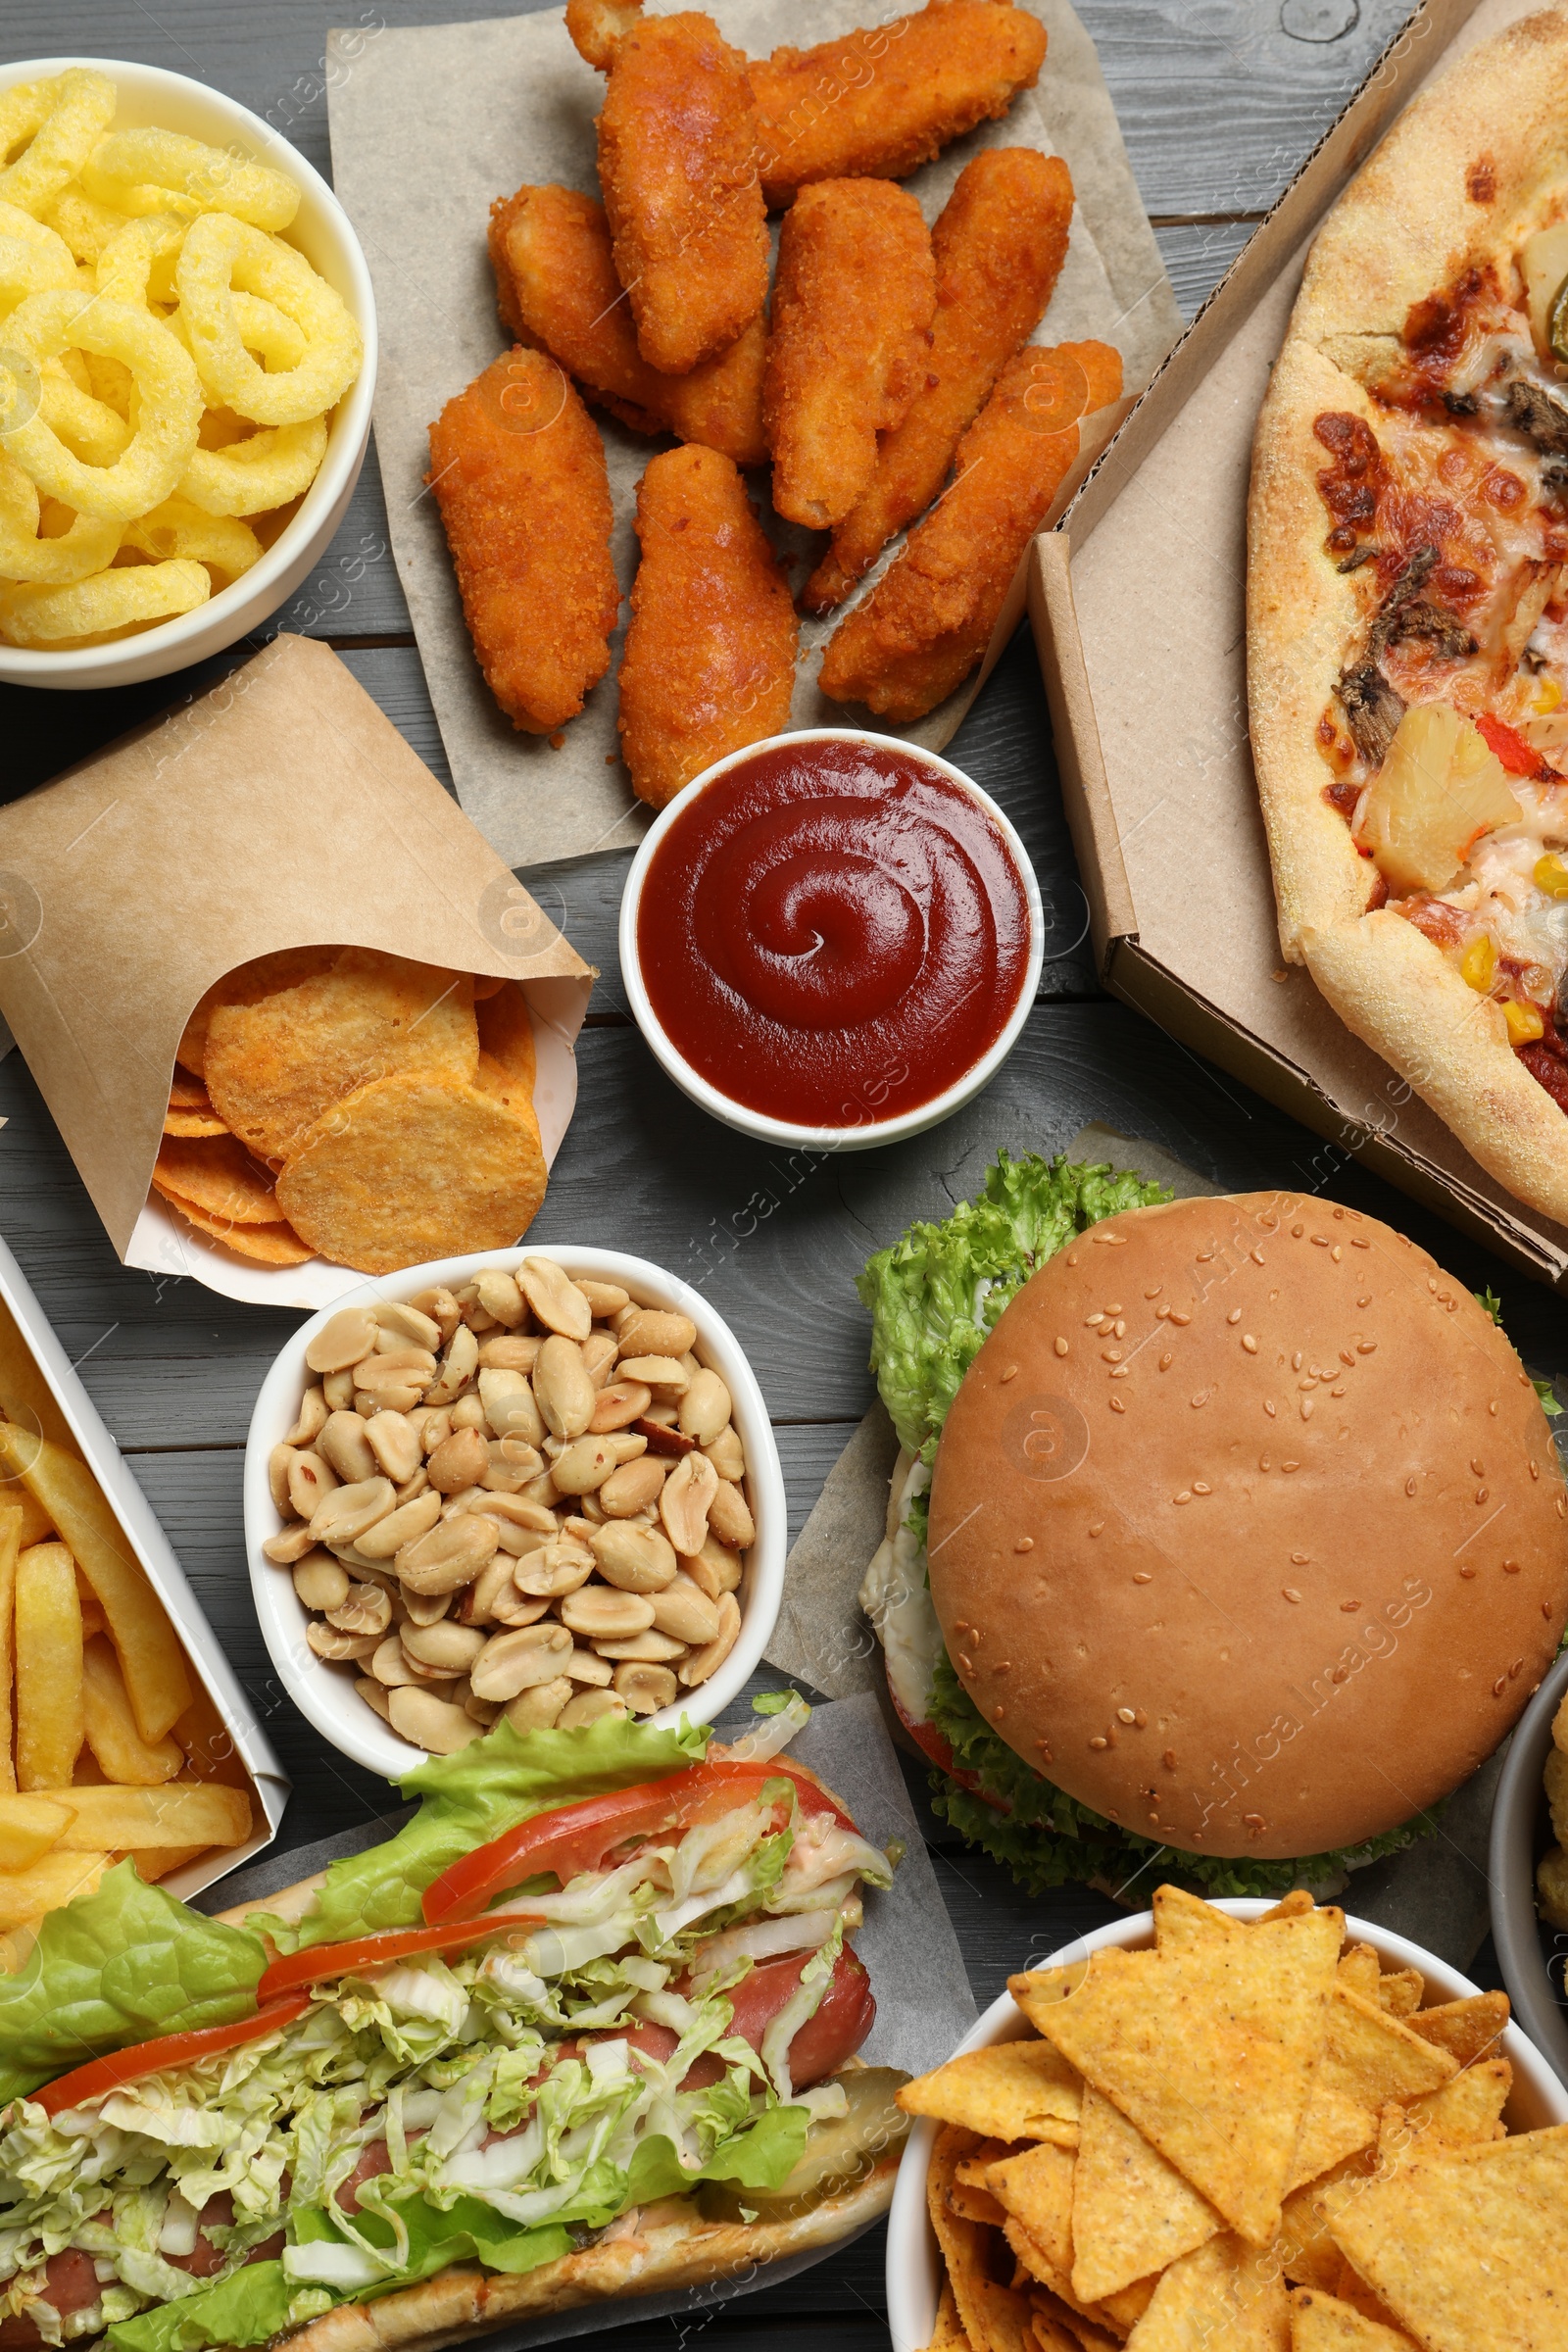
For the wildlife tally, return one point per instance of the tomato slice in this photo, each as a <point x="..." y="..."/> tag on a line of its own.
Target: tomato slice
<point x="576" y="1838"/>
<point x="1509" y="748"/>
<point x="376" y="1952"/>
<point x="120" y="2067"/>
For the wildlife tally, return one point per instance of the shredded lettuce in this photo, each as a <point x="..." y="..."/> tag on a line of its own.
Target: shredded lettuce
<point x="936" y="1294"/>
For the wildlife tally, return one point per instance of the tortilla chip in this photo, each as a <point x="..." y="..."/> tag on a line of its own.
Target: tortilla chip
<point x="411" y="1168"/>
<point x="193" y="1122"/>
<point x="1465" y="2029"/>
<point x="1464" y="2113"/>
<point x="1333" y="2127"/>
<point x="1058" y="2329"/>
<point x="1211" y="2049"/>
<point x="1288" y="1906"/>
<point x="975" y="2165"/>
<point x="1042" y="1988"/>
<point x="1321" y="2322"/>
<point x="1225" y="2294"/>
<point x="1181" y="1918"/>
<point x="948" y="2334"/>
<point x="1372" y="2058"/>
<point x="975" y="2204"/>
<point x="962" y="2243"/>
<point x="1118" y="2314"/>
<point x="266" y="1245"/>
<point x="1001" y="2094"/>
<point x="1350" y="2287"/>
<point x="1006" y="2318"/>
<point x="217" y="1175"/>
<point x="1307" y="2254"/>
<point x="1361" y="1971"/>
<point x="1470" y="2248"/>
<point x="275" y="1065"/>
<point x="1132" y="2212"/>
<point x="1037" y="2190"/>
<point x="1401" y="1990"/>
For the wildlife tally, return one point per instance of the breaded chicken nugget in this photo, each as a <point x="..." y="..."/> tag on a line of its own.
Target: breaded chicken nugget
<point x="929" y="619"/>
<point x="677" y="168"/>
<point x="556" y="287"/>
<point x="893" y="95"/>
<point x="998" y="246"/>
<point x="853" y="303"/>
<point x="518" y="468"/>
<point x="709" y="659"/>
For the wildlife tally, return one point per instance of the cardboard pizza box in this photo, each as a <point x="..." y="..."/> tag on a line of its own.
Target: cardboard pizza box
<point x="1137" y="599"/>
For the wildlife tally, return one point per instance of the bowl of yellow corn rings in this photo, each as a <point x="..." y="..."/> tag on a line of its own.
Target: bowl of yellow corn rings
<point x="187" y="360"/>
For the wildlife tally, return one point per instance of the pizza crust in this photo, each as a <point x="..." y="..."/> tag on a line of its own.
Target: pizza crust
<point x="1473" y="164"/>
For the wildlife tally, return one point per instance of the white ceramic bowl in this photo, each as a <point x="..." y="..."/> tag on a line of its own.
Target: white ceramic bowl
<point x="754" y="1123"/>
<point x="325" y="1694"/>
<point x="149" y="95"/>
<point x="913" y="2265"/>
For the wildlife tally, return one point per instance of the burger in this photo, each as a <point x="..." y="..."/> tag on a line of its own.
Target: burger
<point x="1227" y="1535"/>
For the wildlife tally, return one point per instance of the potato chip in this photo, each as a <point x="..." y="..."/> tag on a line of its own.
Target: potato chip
<point x="1333" y="2127"/>
<point x="1372" y="2058"/>
<point x="187" y="1092"/>
<point x="1036" y="2190"/>
<point x="1211" y="2049"/>
<point x="1401" y="1990"/>
<point x="247" y="984"/>
<point x="215" y="1174"/>
<point x="1307" y="2254"/>
<point x="1469" y="2250"/>
<point x="1465" y="2029"/>
<point x="1224" y="2295"/>
<point x="1132" y="2212"/>
<point x="276" y="1064"/>
<point x="193" y="1123"/>
<point x="1321" y="2322"/>
<point x="264" y="1244"/>
<point x="411" y="1168"/>
<point x="505" y="1035"/>
<point x="1002" y="2093"/>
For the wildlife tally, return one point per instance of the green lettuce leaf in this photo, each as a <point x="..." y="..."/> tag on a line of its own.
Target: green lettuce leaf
<point x="245" y="2309"/>
<point x="473" y="1796"/>
<point x="936" y="1294"/>
<point x="119" y="1965"/>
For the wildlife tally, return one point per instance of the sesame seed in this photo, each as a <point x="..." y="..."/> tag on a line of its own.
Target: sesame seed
<point x="1290" y="1592"/>
<point x="1235" y="1315"/>
<point x="1256" y="1256"/>
<point x="1122" y="1372"/>
<point x="1140" y="1719"/>
<point x="1432" y="1284"/>
<point x="1366" y="1302"/>
<point x="1116" y="1405"/>
<point x="1345" y="1357"/>
<point x="1320" y="1241"/>
<point x="1499" y="1685"/>
<point x="1306" y="1408"/>
<point x="1154" y="1819"/>
<point x="1492" y="1408"/>
<point x="1110" y="1355"/>
<point x="1510" y="1567"/>
<point x="1166" y="1360"/>
<point x="1092" y="1320"/>
<point x="1476" y="1469"/>
<point x="1349" y="1607"/>
<point x="1121" y="1327"/>
<point x="1340" y="1674"/>
<point x="1296" y="1232"/>
<point x="1155" y="1292"/>
<point x="1307" y="1385"/>
<point x="1200" y="1398"/>
<point x="1003" y="1666"/>
<point x="1296" y="1361"/>
<point x="1248" y="1342"/>
<point x="1024" y="1543"/>
<point x="1183" y="1320"/>
<point x="1366" y="1346"/>
<point x="1255" y="1823"/>
<point x="966" y="1663"/>
<point x="1044" y="1746"/>
<point x="1290" y="1465"/>
<point x="1468" y="1572"/>
<point x="1072" y="1257"/>
<point x="1204" y="1257"/>
<point x="1198" y="1488"/>
<point x="1534" y="1470"/>
<point x="1268" y="1406"/>
<point x="1336" y="1391"/>
<point x="1357" y="1242"/>
<point x="1115" y="1308"/>
<point x="1098" y="1526"/>
<point x="1186" y="1495"/>
<point x="1409" y="1486"/>
<point x="1062" y="1346"/>
<point x="1169" y="1759"/>
<point x="1299" y="1560"/>
<point x="1263" y="1461"/>
<point x="1335" y="1253"/>
<point x="1097" y="1742"/>
<point x="1143" y="1577"/>
<point x="1517" y="1669"/>
<point x="1162" y="1311"/>
<point x="1125" y="1715"/>
<point x="1482" y="1493"/>
<point x="997" y="1713"/>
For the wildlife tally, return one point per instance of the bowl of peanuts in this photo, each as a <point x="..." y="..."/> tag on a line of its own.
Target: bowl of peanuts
<point x="535" y="1484"/>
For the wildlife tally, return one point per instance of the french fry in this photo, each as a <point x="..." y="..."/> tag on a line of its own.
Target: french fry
<point x="123" y="1753"/>
<point x="32" y="1827"/>
<point x="11" y="1524"/>
<point x="25" y="1397"/>
<point x="182" y="1813"/>
<point x="150" y="1654"/>
<point x="48" y="1651"/>
<point x="26" y="1894"/>
<point x="36" y="1525"/>
<point x="156" y="1862"/>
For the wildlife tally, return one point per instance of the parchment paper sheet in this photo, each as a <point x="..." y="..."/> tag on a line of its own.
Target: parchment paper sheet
<point x="1435" y="1893"/>
<point x="429" y="124"/>
<point x="281" y="809"/>
<point x="923" y="2003"/>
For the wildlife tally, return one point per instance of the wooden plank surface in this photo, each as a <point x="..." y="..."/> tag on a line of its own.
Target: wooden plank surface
<point x="1220" y="101"/>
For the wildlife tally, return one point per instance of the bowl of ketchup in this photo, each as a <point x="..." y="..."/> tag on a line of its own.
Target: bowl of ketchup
<point x="831" y="939"/>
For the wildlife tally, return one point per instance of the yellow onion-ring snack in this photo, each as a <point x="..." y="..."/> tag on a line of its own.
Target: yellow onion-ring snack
<point x="126" y="263"/>
<point x="89" y="428"/>
<point x="88" y="545"/>
<point x="85" y="226"/>
<point x="15" y="222"/>
<point x="111" y="381"/>
<point x="28" y="267"/>
<point x="157" y="171"/>
<point x="250" y="477"/>
<point x="168" y="407"/>
<point x="220" y="251"/>
<point x="177" y="528"/>
<point x="121" y="598"/>
<point x="63" y="119"/>
<point x="263" y="327"/>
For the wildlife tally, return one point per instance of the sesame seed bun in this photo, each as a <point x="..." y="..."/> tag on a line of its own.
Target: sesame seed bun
<point x="1270" y="1557"/>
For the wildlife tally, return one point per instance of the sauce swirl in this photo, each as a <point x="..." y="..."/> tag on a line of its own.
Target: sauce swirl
<point x="833" y="933"/>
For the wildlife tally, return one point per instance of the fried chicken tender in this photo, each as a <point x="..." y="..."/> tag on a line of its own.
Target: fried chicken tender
<point x="929" y="619"/>
<point x="853" y="304"/>
<point x="891" y="96"/>
<point x="518" y="468"/>
<point x="677" y="168"/>
<point x="556" y="288"/>
<point x="998" y="245"/>
<point x="709" y="659"/>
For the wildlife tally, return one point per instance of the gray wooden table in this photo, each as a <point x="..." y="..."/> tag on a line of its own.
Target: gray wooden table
<point x="1220" y="102"/>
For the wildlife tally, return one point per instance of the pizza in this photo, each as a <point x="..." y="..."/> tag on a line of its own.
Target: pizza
<point x="1407" y="606"/>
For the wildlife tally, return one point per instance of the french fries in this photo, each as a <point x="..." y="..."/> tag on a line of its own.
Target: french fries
<point x="122" y="1753"/>
<point x="48" y="1644"/>
<point x="11" y="1539"/>
<point x="154" y="1667"/>
<point x="108" y="1820"/>
<point x="35" y="1825"/>
<point x="26" y="1894"/>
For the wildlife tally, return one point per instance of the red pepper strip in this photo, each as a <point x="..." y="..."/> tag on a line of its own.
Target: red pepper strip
<point x="1508" y="747"/>
<point x="576" y="1838"/>
<point x="120" y="2067"/>
<point x="374" y="1951"/>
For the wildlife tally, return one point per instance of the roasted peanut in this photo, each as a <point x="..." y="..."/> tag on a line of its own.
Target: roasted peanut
<point x="663" y="1374"/>
<point x="310" y="1481"/>
<point x="586" y="1666"/>
<point x="557" y="1302"/>
<point x="328" y="1643"/>
<point x="374" y="1694"/>
<point x="560" y="1565"/>
<point x="450" y="1555"/>
<point x="460" y="1461"/>
<point x="512" y="1464"/>
<point x="500" y="1296"/>
<point x="399" y="1367"/>
<point x="684" y="1612"/>
<point x="320" y="1581"/>
<point x="604" y="1298"/>
<point x="346" y="1446"/>
<point x="419" y="1484"/>
<point x="598" y="1613"/>
<point x="651" y="1331"/>
<point x="364" y="1609"/>
<point x="468" y="1413"/>
<point x="432" y="1723"/>
<point x="645" y="1688"/>
<point x="441" y="1308"/>
<point x="729" y="1518"/>
<point x="584" y="1466"/>
<point x="406" y="1324"/>
<point x="703" y="1662"/>
<point x="388" y="1536"/>
<point x="418" y="1609"/>
<point x="291" y="1545"/>
<point x="390" y="1663"/>
<point x="516" y="1661"/>
<point x="458" y="1367"/>
<point x="338" y="1390"/>
<point x="512" y="1404"/>
<point x="619" y="1405"/>
<point x="633" y="1486"/>
<point x="279" y="1462"/>
<point x="634" y="1559"/>
<point x="394" y="1441"/>
<point x="713" y="1570"/>
<point x="705" y="1408"/>
<point x="537" y="1709"/>
<point x="598" y="1357"/>
<point x="343" y="1339"/>
<point x="446" y="1644"/>
<point x="650" y="1645"/>
<point x="727" y="1455"/>
<point x="509" y="1354"/>
<point x="685" y="1500"/>
<point x="588" y="1706"/>
<point x="310" y="1419"/>
<point x="350" y="1512"/>
<point x="561" y="1388"/>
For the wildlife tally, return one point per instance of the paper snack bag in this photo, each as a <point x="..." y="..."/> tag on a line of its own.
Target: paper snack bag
<point x="279" y="810"/>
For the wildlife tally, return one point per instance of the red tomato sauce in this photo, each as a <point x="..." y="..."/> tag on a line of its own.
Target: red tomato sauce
<point x="832" y="933"/>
